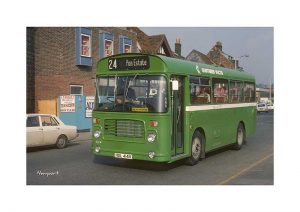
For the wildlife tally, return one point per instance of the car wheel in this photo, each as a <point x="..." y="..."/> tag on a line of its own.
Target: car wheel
<point x="196" y="148"/>
<point x="240" y="137"/>
<point x="61" y="142"/>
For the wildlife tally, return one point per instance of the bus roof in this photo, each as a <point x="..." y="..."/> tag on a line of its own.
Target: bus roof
<point x="168" y="65"/>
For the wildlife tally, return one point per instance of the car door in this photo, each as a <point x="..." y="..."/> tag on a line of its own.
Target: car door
<point x="34" y="131"/>
<point x="51" y="129"/>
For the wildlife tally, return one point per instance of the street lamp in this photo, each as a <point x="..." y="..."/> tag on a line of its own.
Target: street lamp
<point x="235" y="60"/>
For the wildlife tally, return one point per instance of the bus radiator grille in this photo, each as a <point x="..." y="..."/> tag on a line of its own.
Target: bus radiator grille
<point x="124" y="128"/>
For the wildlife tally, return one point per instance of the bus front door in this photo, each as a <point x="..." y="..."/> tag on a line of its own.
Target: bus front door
<point x="177" y="102"/>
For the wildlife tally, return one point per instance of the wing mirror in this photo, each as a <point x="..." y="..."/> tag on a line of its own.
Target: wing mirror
<point x="175" y="86"/>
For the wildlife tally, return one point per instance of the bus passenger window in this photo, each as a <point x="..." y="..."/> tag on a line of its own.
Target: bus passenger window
<point x="200" y="90"/>
<point x="249" y="92"/>
<point x="220" y="90"/>
<point x="236" y="91"/>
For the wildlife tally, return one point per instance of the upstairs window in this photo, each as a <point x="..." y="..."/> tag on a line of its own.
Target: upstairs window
<point x="125" y="45"/>
<point x="127" y="48"/>
<point x="108" y="47"/>
<point x="161" y="50"/>
<point x="106" y="44"/>
<point x="85" y="45"/>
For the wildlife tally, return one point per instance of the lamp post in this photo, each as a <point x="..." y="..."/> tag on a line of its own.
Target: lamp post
<point x="235" y="60"/>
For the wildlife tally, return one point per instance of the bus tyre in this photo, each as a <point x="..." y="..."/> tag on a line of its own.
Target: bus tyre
<point x="240" y="137"/>
<point x="196" y="148"/>
<point x="61" y="142"/>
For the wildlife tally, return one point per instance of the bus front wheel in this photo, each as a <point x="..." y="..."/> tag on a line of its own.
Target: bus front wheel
<point x="240" y="137"/>
<point x="196" y="148"/>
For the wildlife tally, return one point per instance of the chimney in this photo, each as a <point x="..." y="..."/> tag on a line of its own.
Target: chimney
<point x="178" y="46"/>
<point x="219" y="46"/>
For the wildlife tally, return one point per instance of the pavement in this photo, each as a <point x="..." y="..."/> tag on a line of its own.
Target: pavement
<point x="83" y="136"/>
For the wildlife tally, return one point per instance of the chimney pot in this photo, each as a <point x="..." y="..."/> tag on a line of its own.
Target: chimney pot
<point x="178" y="46"/>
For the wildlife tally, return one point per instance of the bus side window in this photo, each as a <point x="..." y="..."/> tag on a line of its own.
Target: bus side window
<point x="236" y="91"/>
<point x="249" y="92"/>
<point x="200" y="90"/>
<point x="220" y="87"/>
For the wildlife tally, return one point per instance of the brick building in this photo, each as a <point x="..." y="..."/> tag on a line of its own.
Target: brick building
<point x="197" y="56"/>
<point x="154" y="44"/>
<point x="220" y="58"/>
<point x="63" y="60"/>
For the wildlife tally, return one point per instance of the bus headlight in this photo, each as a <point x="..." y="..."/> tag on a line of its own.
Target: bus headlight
<point x="97" y="133"/>
<point x="151" y="137"/>
<point x="97" y="149"/>
<point x="151" y="155"/>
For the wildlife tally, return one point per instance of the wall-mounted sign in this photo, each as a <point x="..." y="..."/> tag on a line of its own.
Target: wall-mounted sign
<point x="89" y="106"/>
<point x="67" y="103"/>
<point x="129" y="63"/>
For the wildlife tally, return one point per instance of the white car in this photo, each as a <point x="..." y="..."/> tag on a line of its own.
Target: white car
<point x="46" y="129"/>
<point x="270" y="106"/>
<point x="262" y="107"/>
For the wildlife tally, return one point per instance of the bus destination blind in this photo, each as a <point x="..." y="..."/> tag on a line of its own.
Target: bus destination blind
<point x="129" y="63"/>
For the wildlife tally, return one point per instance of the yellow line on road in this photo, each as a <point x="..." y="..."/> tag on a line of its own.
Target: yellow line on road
<point x="244" y="170"/>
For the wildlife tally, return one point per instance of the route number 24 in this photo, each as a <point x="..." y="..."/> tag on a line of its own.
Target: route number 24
<point x="112" y="64"/>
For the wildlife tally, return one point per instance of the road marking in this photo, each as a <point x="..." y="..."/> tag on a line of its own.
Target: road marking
<point x="246" y="169"/>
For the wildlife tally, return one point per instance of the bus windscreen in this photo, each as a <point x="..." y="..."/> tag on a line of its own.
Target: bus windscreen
<point x="133" y="93"/>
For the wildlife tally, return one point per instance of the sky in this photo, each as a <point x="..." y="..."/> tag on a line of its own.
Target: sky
<point x="257" y="42"/>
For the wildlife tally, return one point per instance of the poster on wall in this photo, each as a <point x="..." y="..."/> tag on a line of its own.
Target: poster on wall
<point x="67" y="103"/>
<point x="89" y="106"/>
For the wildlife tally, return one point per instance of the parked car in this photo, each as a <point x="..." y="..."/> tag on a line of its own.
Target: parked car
<point x="270" y="106"/>
<point x="46" y="129"/>
<point x="262" y="107"/>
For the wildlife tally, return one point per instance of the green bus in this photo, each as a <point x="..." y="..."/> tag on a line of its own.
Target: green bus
<point x="162" y="109"/>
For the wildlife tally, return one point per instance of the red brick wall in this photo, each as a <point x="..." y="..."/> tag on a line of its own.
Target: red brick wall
<point x="51" y="62"/>
<point x="218" y="58"/>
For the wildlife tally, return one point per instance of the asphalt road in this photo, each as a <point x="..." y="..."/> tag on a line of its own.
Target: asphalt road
<point x="76" y="165"/>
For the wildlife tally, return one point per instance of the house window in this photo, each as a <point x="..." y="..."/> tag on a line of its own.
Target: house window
<point x="161" y="50"/>
<point x="127" y="48"/>
<point x="106" y="44"/>
<point x="85" y="45"/>
<point x="125" y="45"/>
<point x="76" y="90"/>
<point x="108" y="47"/>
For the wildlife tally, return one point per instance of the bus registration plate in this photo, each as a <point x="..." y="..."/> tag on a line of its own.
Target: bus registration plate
<point x="124" y="156"/>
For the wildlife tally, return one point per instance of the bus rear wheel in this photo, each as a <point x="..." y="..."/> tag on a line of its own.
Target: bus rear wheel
<point x="196" y="148"/>
<point x="240" y="137"/>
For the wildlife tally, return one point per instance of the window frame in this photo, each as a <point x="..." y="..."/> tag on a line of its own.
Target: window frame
<point x="52" y="119"/>
<point x="241" y="97"/>
<point x="38" y="118"/>
<point x="89" y="46"/>
<point x="76" y="86"/>
<point x="209" y="98"/>
<point x="126" y="44"/>
<point x="251" y="98"/>
<point x="213" y="82"/>
<point x="104" y="48"/>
